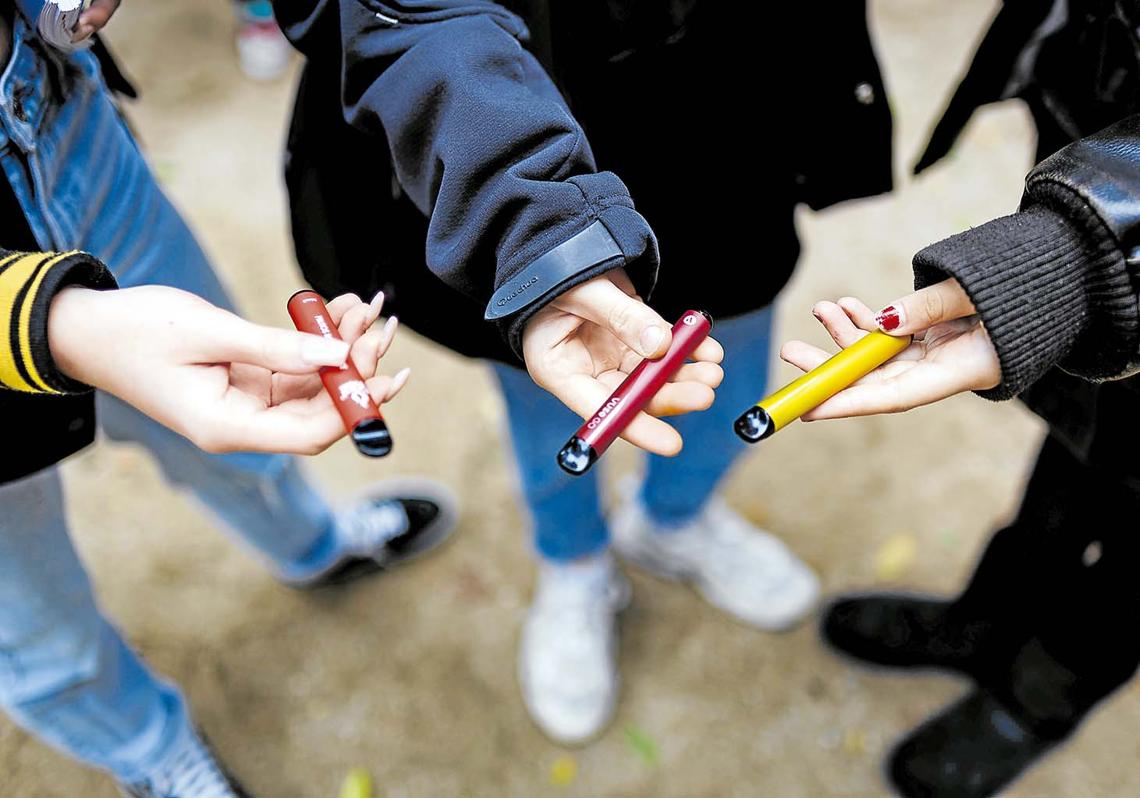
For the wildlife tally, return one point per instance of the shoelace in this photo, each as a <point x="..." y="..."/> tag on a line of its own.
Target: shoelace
<point x="728" y="532"/>
<point x="582" y="603"/>
<point x="366" y="528"/>
<point x="193" y="774"/>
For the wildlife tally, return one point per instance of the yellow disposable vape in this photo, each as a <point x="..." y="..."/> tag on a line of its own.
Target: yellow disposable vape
<point x="817" y="386"/>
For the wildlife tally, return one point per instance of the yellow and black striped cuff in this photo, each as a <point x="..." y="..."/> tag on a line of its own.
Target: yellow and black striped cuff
<point x="28" y="282"/>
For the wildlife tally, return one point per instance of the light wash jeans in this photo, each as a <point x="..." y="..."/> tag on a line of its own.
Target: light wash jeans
<point x="65" y="673"/>
<point x="566" y="511"/>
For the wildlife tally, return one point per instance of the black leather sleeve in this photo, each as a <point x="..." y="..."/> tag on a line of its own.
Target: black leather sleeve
<point x="1056" y="284"/>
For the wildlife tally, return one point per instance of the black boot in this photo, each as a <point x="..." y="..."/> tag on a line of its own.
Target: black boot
<point x="977" y="634"/>
<point x="970" y="750"/>
<point x="990" y="737"/>
<point x="900" y="631"/>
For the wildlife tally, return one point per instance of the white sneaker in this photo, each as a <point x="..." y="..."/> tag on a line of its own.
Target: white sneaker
<point x="568" y="655"/>
<point x="263" y="51"/>
<point x="737" y="567"/>
<point x="192" y="772"/>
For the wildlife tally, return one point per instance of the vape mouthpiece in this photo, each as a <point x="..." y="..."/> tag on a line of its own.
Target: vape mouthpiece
<point x="372" y="438"/>
<point x="576" y="456"/>
<point x="755" y="425"/>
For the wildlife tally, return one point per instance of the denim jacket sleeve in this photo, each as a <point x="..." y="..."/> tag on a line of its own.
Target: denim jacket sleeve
<point x="483" y="143"/>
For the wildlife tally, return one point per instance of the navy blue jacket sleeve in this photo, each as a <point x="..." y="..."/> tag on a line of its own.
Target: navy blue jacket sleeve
<point x="483" y="143"/>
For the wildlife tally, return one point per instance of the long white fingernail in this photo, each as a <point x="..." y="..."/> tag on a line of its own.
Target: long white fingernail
<point x="323" y="351"/>
<point x="390" y="326"/>
<point x="377" y="303"/>
<point x="401" y="378"/>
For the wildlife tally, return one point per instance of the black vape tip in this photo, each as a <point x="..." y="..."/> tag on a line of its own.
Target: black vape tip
<point x="577" y="456"/>
<point x="755" y="425"/>
<point x="707" y="316"/>
<point x="372" y="438"/>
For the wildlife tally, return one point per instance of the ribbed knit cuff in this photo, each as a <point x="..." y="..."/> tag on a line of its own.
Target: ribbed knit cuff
<point x="77" y="268"/>
<point x="1047" y="294"/>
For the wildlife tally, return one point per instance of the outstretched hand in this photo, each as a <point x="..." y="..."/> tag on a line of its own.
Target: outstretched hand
<point x="221" y="381"/>
<point x="951" y="352"/>
<point x="585" y="343"/>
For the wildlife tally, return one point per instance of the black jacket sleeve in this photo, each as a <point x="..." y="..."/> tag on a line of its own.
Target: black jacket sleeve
<point x="483" y="143"/>
<point x="1058" y="282"/>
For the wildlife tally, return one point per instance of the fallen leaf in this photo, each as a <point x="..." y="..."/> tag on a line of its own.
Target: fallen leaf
<point x="357" y="784"/>
<point x="896" y="557"/>
<point x="563" y="771"/>
<point x="642" y="744"/>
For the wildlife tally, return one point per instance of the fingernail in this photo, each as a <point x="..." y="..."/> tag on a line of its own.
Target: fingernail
<point x="889" y="318"/>
<point x="324" y="351"/>
<point x="377" y="302"/>
<point x="390" y="325"/>
<point x="401" y="377"/>
<point x="651" y="339"/>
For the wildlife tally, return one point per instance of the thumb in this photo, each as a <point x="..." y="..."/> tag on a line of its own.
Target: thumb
<point x="99" y="14"/>
<point x="633" y="322"/>
<point x="235" y="340"/>
<point x="944" y="301"/>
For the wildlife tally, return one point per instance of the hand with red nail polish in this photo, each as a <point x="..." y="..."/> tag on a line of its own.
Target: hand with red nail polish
<point x="951" y="353"/>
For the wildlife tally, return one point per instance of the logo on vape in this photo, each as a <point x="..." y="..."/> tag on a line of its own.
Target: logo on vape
<point x="355" y="390"/>
<point x="690" y="320"/>
<point x="607" y="408"/>
<point x="510" y="297"/>
<point x="323" y="326"/>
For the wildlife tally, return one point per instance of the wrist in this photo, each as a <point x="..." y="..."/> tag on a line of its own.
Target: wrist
<point x="70" y="316"/>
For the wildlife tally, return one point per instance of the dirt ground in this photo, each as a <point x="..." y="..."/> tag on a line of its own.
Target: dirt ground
<point x="411" y="675"/>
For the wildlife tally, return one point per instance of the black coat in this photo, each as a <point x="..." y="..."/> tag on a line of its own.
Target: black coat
<point x="716" y="126"/>
<point x="1076" y="63"/>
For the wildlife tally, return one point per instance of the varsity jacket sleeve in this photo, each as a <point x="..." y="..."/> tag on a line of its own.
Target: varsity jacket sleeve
<point x="28" y="282"/>
<point x="484" y="145"/>
<point x="1057" y="283"/>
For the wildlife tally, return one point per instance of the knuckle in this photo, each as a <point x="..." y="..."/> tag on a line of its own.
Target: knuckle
<point x="932" y="305"/>
<point x="621" y="316"/>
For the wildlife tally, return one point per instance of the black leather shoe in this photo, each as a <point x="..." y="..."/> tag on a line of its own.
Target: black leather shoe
<point x="898" y="631"/>
<point x="970" y="750"/>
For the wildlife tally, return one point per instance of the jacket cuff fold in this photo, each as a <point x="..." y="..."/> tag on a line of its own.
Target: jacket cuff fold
<point x="1038" y="284"/>
<point x="613" y="236"/>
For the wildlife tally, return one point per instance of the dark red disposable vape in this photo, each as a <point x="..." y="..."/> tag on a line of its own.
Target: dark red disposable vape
<point x="349" y="394"/>
<point x="633" y="395"/>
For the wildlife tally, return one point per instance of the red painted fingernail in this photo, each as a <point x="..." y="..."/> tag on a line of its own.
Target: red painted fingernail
<point x="889" y="318"/>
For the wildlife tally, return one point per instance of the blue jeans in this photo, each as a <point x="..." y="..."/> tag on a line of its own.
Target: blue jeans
<point x="566" y="511"/>
<point x="65" y="673"/>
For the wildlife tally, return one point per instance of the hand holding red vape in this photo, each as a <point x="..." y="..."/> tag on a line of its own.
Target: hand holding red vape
<point x="583" y="345"/>
<point x="223" y="382"/>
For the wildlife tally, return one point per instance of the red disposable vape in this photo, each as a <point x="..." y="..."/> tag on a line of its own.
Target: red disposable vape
<point x="633" y="395"/>
<point x="349" y="394"/>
